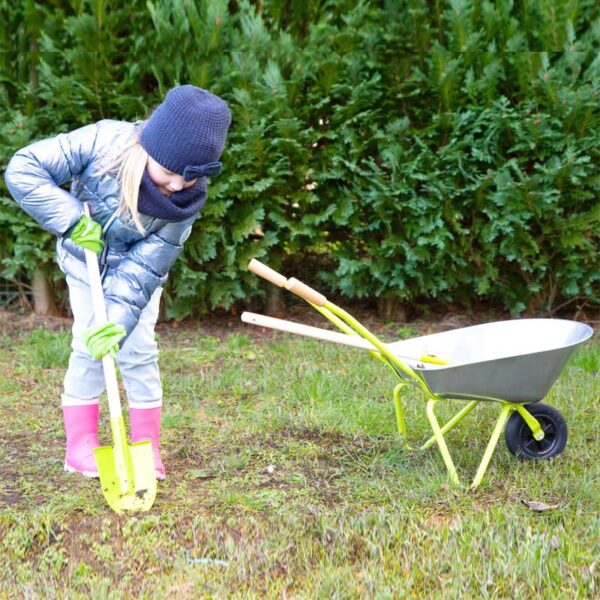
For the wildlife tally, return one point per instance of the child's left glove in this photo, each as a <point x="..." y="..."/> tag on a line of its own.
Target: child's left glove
<point x="88" y="234"/>
<point x="104" y="339"/>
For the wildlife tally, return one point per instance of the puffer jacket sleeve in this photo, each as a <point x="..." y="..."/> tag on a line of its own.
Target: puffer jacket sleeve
<point x="128" y="288"/>
<point x="35" y="173"/>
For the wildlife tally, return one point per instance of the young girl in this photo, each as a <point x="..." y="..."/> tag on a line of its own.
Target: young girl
<point x="145" y="183"/>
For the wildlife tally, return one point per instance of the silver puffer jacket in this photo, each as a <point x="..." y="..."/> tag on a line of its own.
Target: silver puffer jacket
<point x="132" y="265"/>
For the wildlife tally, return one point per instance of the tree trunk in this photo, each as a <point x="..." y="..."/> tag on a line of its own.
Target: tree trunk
<point x="388" y="309"/>
<point x="275" y="306"/>
<point x="44" y="302"/>
<point x="162" y="307"/>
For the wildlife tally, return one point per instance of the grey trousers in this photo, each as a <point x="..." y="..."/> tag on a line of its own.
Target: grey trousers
<point x="137" y="359"/>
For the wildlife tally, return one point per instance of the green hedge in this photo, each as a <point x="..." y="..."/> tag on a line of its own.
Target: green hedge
<point x="412" y="151"/>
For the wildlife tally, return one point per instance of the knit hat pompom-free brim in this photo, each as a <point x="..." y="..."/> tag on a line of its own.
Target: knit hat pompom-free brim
<point x="186" y="133"/>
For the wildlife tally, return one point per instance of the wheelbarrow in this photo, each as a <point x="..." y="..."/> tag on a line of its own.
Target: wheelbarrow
<point x="513" y="363"/>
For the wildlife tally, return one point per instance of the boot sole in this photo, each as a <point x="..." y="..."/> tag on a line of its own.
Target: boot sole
<point x="69" y="469"/>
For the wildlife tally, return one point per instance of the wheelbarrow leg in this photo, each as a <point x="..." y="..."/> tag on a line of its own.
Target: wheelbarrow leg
<point x="455" y="420"/>
<point x="439" y="438"/>
<point x="400" y="415"/>
<point x="487" y="455"/>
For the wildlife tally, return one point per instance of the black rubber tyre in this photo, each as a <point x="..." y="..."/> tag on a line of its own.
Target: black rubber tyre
<point x="520" y="440"/>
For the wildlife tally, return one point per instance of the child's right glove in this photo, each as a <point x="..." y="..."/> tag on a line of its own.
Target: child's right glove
<point x="104" y="339"/>
<point x="88" y="234"/>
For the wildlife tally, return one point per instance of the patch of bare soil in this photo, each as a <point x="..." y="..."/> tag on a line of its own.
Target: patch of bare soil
<point x="222" y="324"/>
<point x="18" y="463"/>
<point x="15" y="324"/>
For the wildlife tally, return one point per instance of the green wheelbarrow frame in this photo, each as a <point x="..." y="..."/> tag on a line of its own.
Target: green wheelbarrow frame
<point x="349" y="325"/>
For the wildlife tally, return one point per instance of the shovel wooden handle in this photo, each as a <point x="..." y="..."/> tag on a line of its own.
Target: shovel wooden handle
<point x="108" y="363"/>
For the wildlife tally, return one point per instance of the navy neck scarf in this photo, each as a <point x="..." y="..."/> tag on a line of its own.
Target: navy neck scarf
<point x="176" y="207"/>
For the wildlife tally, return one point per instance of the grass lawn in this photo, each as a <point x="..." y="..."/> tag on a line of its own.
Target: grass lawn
<point x="286" y="479"/>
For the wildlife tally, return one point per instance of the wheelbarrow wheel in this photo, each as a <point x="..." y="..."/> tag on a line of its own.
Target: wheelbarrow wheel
<point x="519" y="438"/>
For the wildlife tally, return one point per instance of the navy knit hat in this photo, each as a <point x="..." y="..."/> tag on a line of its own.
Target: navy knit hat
<point x="186" y="133"/>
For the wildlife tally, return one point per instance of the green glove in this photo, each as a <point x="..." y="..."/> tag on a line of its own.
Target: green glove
<point x="104" y="339"/>
<point x="88" y="234"/>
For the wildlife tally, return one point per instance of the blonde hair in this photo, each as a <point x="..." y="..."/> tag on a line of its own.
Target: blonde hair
<point x="128" y="166"/>
<point x="129" y="176"/>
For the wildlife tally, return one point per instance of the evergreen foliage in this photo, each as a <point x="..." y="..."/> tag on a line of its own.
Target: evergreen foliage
<point x="412" y="150"/>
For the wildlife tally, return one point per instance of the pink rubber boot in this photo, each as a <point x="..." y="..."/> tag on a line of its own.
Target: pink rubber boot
<point x="81" y="429"/>
<point x="145" y="425"/>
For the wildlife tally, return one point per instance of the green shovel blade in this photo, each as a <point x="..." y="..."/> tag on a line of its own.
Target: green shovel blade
<point x="126" y="472"/>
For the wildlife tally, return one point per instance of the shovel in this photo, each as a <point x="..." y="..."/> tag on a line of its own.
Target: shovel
<point x="126" y="470"/>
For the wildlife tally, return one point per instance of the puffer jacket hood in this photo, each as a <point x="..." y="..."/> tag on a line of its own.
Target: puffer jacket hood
<point x="133" y="265"/>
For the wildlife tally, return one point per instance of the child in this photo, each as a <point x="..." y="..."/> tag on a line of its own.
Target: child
<point x="145" y="183"/>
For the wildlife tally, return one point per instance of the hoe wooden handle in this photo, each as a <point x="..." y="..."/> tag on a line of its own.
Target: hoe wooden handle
<point x="266" y="273"/>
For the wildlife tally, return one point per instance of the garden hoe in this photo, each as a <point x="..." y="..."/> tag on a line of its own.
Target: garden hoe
<point x="126" y="470"/>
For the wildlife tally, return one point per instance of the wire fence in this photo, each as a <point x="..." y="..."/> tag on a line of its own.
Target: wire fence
<point x="12" y="295"/>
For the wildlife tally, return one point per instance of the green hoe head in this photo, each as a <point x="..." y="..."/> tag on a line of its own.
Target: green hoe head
<point x="126" y="473"/>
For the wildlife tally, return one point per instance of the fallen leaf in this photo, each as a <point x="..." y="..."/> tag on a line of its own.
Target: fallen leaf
<point x="201" y="474"/>
<point x="539" y="506"/>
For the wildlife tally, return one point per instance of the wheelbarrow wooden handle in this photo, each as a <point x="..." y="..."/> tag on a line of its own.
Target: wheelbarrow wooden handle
<point x="292" y="284"/>
<point x="267" y="273"/>
<point x="307" y="331"/>
<point x="306" y="292"/>
<point x="329" y="336"/>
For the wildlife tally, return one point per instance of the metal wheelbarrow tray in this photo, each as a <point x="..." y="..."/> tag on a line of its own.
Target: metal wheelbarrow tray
<point x="513" y="363"/>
